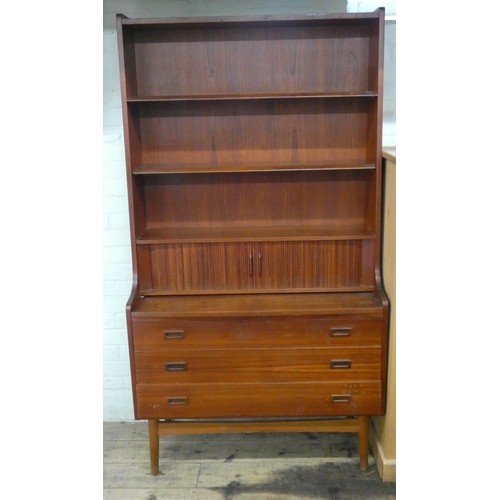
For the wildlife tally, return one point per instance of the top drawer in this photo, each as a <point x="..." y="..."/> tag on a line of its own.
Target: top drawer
<point x="213" y="333"/>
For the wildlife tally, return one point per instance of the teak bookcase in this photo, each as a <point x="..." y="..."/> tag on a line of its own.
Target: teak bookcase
<point x="253" y="151"/>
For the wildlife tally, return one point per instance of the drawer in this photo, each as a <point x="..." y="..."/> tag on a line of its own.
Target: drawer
<point x="257" y="365"/>
<point x="258" y="400"/>
<point x="265" y="332"/>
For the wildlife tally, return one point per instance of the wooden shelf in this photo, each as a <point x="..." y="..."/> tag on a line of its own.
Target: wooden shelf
<point x="287" y="20"/>
<point x="191" y="168"/>
<point x="247" y="58"/>
<point x="258" y="134"/>
<point x="280" y="304"/>
<point x="223" y="97"/>
<point x="243" y="233"/>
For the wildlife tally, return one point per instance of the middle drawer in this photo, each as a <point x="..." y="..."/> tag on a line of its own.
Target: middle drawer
<point x="257" y="365"/>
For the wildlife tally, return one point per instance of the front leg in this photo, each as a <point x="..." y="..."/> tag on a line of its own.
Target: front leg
<point x="154" y="446"/>
<point x="364" y="429"/>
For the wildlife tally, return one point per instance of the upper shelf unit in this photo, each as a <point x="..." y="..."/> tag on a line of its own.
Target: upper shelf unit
<point x="235" y="59"/>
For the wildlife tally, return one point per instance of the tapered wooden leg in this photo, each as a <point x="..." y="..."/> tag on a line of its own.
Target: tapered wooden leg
<point x="154" y="446"/>
<point x="364" y="429"/>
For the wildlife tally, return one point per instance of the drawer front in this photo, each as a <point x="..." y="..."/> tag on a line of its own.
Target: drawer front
<point x="258" y="400"/>
<point x="257" y="365"/>
<point x="282" y="332"/>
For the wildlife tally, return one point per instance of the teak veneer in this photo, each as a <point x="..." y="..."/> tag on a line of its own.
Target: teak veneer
<point x="253" y="152"/>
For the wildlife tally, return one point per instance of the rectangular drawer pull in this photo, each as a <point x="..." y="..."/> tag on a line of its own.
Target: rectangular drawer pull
<point x="340" y="331"/>
<point x="341" y="398"/>
<point x="173" y="334"/>
<point x="177" y="366"/>
<point x="340" y="363"/>
<point x="179" y="400"/>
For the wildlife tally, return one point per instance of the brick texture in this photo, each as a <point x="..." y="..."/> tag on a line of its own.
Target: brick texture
<point x="117" y="279"/>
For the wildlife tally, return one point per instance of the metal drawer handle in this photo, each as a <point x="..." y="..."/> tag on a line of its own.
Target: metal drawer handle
<point x="173" y="334"/>
<point x="341" y="398"/>
<point x="340" y="363"/>
<point x="340" y="331"/>
<point x="177" y="366"/>
<point x="178" y="400"/>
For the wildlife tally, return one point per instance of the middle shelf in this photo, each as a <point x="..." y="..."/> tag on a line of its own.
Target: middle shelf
<point x="253" y="96"/>
<point x="160" y="235"/>
<point x="262" y="166"/>
<point x="253" y="134"/>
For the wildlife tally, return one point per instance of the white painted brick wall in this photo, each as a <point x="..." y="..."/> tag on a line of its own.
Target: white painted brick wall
<point x="116" y="240"/>
<point x="389" y="121"/>
<point x="117" y="274"/>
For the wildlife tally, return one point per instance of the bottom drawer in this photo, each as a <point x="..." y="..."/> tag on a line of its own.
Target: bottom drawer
<point x="258" y="400"/>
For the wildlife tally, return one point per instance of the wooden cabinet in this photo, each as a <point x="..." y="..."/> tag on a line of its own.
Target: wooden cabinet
<point x="253" y="151"/>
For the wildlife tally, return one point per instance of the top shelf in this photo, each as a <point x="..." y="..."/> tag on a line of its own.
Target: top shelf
<point x="246" y="58"/>
<point x="341" y="18"/>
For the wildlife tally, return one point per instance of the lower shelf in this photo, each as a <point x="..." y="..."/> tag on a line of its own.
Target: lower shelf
<point x="250" y="425"/>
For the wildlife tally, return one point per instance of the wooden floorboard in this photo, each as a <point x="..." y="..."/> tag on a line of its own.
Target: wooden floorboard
<point x="266" y="466"/>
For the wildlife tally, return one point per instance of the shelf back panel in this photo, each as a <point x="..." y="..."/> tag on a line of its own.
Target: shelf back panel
<point x="256" y="199"/>
<point x="241" y="132"/>
<point x="258" y="59"/>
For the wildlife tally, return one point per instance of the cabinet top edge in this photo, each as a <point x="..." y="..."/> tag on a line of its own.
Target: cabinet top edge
<point x="389" y="153"/>
<point x="299" y="304"/>
<point x="179" y="21"/>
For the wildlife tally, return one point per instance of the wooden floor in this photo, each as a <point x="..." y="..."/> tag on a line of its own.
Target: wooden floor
<point x="306" y="466"/>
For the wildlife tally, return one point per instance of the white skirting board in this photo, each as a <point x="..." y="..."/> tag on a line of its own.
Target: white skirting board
<point x="386" y="466"/>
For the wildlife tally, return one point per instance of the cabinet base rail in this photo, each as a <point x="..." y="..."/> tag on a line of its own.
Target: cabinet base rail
<point x="159" y="428"/>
